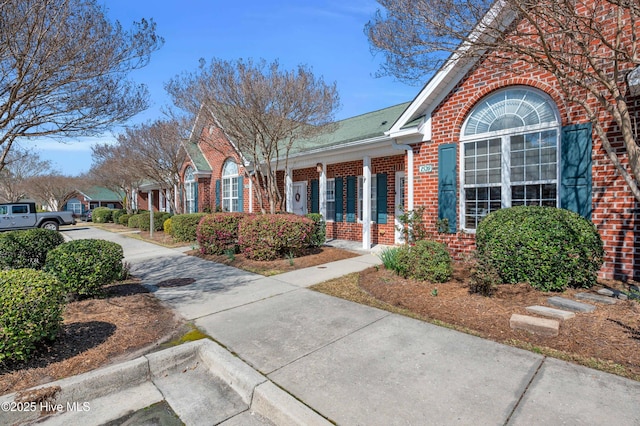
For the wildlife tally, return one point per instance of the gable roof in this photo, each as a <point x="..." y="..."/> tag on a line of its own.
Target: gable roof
<point x="451" y="72"/>
<point x="100" y="193"/>
<point x="363" y="127"/>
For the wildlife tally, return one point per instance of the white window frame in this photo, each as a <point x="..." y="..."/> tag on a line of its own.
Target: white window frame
<point x="505" y="149"/>
<point x="374" y="198"/>
<point x="189" y="190"/>
<point x="230" y="176"/>
<point x="331" y="200"/>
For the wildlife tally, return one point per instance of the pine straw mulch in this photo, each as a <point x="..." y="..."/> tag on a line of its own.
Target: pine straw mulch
<point x="311" y="257"/>
<point x="607" y="339"/>
<point x="125" y="324"/>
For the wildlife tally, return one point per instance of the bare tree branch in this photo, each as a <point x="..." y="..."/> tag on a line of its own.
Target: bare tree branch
<point x="261" y="109"/>
<point x="64" y="67"/>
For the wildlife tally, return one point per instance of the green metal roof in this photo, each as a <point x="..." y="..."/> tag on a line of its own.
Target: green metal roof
<point x="197" y="157"/>
<point x="100" y="193"/>
<point x="361" y="127"/>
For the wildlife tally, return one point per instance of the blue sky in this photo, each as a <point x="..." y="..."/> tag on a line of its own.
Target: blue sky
<point x="327" y="35"/>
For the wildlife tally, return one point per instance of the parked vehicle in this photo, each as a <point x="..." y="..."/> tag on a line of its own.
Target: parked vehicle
<point x="24" y="216"/>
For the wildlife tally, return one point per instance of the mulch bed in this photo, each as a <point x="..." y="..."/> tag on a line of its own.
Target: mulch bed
<point x="610" y="334"/>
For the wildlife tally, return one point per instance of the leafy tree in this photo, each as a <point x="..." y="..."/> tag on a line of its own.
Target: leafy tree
<point x="64" y="67"/>
<point x="589" y="46"/>
<point x="262" y="110"/>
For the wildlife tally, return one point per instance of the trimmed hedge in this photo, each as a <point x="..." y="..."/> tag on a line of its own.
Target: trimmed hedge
<point x="102" y="215"/>
<point x="319" y="235"/>
<point x="185" y="226"/>
<point x="217" y="233"/>
<point x="547" y="247"/>
<point x="85" y="266"/>
<point x="425" y="261"/>
<point x="31" y="304"/>
<point x="28" y="248"/>
<point x="144" y="220"/>
<point x="270" y="236"/>
<point x="134" y="220"/>
<point x="117" y="214"/>
<point x="124" y="219"/>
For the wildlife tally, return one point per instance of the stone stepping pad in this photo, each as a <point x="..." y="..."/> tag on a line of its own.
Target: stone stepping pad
<point x="541" y="326"/>
<point x="596" y="298"/>
<point x="570" y="305"/>
<point x="609" y="292"/>
<point x="550" y="312"/>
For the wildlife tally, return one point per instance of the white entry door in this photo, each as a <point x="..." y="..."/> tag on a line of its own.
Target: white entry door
<point x="399" y="202"/>
<point x="299" y="198"/>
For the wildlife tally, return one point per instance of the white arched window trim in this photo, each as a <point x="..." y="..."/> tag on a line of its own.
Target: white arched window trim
<point x="509" y="153"/>
<point x="230" y="179"/>
<point x="189" y="190"/>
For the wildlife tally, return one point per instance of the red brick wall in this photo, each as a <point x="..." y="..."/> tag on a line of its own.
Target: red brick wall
<point x="380" y="233"/>
<point x="613" y="203"/>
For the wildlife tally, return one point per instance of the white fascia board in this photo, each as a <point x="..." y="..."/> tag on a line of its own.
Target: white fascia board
<point x="374" y="147"/>
<point x="452" y="71"/>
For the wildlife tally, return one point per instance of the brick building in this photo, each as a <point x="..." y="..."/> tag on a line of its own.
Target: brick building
<point x="474" y="140"/>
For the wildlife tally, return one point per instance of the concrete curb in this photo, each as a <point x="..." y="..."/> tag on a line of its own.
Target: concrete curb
<point x="112" y="392"/>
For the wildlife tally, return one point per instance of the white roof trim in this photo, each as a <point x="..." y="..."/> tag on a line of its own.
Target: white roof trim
<point x="447" y="77"/>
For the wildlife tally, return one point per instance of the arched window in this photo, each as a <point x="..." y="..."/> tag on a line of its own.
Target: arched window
<point x="230" y="187"/>
<point x="190" y="191"/>
<point x="509" y="153"/>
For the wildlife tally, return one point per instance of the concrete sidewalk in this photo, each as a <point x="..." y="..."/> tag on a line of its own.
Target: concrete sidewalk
<point x="356" y="365"/>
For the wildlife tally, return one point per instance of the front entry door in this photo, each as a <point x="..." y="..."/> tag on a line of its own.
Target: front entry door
<point x="299" y="198"/>
<point x="399" y="203"/>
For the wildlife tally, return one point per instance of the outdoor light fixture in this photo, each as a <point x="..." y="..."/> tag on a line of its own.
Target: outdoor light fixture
<point x="633" y="81"/>
<point x="319" y="167"/>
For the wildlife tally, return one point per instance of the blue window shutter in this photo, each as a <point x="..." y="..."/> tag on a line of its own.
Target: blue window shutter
<point x="315" y="196"/>
<point x="351" y="198"/>
<point x="447" y="184"/>
<point x="381" y="193"/>
<point x="575" y="169"/>
<point x="195" y="196"/>
<point x="339" y="200"/>
<point x="218" y="198"/>
<point x="240" y="194"/>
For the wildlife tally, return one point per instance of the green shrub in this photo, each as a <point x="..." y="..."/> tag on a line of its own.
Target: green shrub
<point x="548" y="248"/>
<point x="319" y="235"/>
<point x="31" y="304"/>
<point x="166" y="226"/>
<point x="270" y="236"/>
<point x="144" y="220"/>
<point x="185" y="226"/>
<point x="124" y="219"/>
<point x="85" y="266"/>
<point x="116" y="214"/>
<point x="390" y="259"/>
<point x="102" y="215"/>
<point x="27" y="249"/>
<point x="425" y="261"/>
<point x="134" y="220"/>
<point x="218" y="233"/>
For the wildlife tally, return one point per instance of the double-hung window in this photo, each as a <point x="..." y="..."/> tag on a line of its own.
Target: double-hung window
<point x="189" y="191"/>
<point x="331" y="199"/>
<point x="509" y="154"/>
<point x="230" y="179"/>
<point x="374" y="197"/>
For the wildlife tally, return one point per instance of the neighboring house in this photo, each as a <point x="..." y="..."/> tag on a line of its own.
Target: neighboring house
<point x="89" y="199"/>
<point x="473" y="141"/>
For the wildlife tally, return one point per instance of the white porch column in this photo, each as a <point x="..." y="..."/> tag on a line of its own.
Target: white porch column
<point x="250" y="193"/>
<point x="323" y="191"/>
<point x="288" y="185"/>
<point x="366" y="203"/>
<point x="161" y="200"/>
